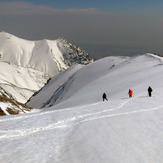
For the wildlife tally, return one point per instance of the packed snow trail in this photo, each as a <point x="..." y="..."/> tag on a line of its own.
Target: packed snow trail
<point x="58" y="124"/>
<point x="54" y="111"/>
<point x="51" y="133"/>
<point x="92" y="115"/>
<point x="73" y="121"/>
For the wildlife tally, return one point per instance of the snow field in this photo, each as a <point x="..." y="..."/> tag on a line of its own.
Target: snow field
<point x="96" y="125"/>
<point x="83" y="128"/>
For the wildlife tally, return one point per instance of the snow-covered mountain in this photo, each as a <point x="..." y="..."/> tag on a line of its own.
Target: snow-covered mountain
<point x="76" y="125"/>
<point x="10" y="106"/>
<point x="27" y="65"/>
<point x="68" y="86"/>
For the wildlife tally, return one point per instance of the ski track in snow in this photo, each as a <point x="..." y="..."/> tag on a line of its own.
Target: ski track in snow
<point x="44" y="113"/>
<point x="76" y="120"/>
<point x="121" y="114"/>
<point x="53" y="111"/>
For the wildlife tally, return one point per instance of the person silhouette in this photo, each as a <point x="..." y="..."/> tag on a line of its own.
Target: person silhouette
<point x="104" y="97"/>
<point x="130" y="92"/>
<point x="150" y="91"/>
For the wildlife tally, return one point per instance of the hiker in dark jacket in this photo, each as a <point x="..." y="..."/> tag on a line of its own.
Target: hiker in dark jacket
<point x="104" y="97"/>
<point x="150" y="91"/>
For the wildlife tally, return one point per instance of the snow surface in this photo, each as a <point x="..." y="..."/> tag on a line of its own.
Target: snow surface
<point x="32" y="54"/>
<point x="4" y="106"/>
<point x="27" y="65"/>
<point x="82" y="128"/>
<point x="21" y="82"/>
<point x="54" y="84"/>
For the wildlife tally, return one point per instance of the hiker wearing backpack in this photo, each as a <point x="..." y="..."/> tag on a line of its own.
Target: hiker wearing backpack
<point x="130" y="92"/>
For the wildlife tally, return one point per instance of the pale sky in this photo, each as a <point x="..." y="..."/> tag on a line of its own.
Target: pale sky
<point x="114" y="26"/>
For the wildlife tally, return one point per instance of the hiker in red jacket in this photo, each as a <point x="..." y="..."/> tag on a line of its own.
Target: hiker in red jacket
<point x="130" y="92"/>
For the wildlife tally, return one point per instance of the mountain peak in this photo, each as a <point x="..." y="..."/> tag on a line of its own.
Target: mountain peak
<point x="27" y="65"/>
<point x="48" y="56"/>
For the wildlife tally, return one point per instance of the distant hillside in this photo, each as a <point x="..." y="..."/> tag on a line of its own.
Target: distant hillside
<point x="27" y="65"/>
<point x="10" y="106"/>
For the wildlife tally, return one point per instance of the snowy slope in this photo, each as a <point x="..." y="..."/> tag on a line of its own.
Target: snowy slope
<point x="27" y="65"/>
<point x="40" y="98"/>
<point x="43" y="55"/>
<point x="83" y="128"/>
<point x="21" y="82"/>
<point x="32" y="54"/>
<point x="59" y="86"/>
<point x="105" y="75"/>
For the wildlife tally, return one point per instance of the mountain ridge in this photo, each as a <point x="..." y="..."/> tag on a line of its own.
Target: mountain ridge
<point x="27" y="65"/>
<point x="31" y="54"/>
<point x="108" y="68"/>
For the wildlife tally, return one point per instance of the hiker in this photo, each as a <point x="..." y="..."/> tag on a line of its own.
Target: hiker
<point x="104" y="97"/>
<point x="150" y="91"/>
<point x="130" y="92"/>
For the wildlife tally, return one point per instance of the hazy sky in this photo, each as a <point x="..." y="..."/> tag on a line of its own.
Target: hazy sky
<point x="102" y="27"/>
